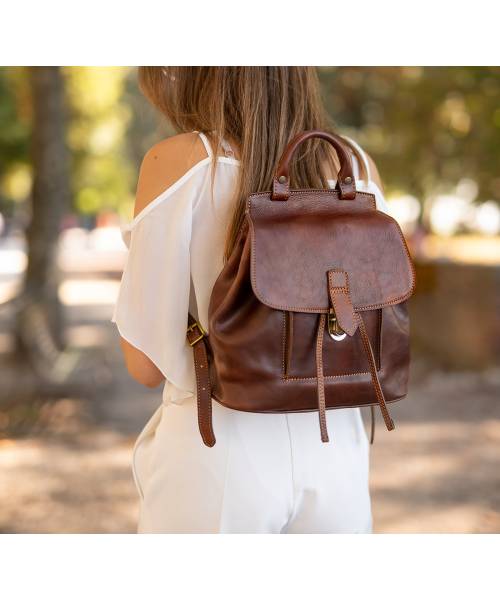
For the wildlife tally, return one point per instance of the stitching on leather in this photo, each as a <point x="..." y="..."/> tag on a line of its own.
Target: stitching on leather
<point x="326" y="376"/>
<point x="343" y="290"/>
<point x="321" y="309"/>
<point x="412" y="288"/>
<point x="287" y="342"/>
<point x="204" y="417"/>
<point x="368" y="353"/>
<point x="198" y="403"/>
<point x="412" y="268"/>
<point x="284" y="343"/>
<point x="289" y="346"/>
<point x="320" y="378"/>
<point x="345" y="287"/>
<point x="378" y="358"/>
<point x="316" y="192"/>
<point x="313" y="409"/>
<point x="372" y="362"/>
<point x="286" y="377"/>
<point x="378" y="367"/>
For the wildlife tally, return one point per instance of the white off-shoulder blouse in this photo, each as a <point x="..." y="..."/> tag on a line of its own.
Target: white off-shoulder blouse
<point x="175" y="253"/>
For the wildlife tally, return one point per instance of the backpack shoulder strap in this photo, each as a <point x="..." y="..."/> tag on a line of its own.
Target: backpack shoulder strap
<point x="196" y="338"/>
<point x="362" y="155"/>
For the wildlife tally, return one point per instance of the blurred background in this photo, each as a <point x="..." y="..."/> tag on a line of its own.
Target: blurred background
<point x="71" y="142"/>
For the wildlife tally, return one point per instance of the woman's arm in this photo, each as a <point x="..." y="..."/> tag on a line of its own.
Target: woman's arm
<point x="162" y="166"/>
<point x="139" y="366"/>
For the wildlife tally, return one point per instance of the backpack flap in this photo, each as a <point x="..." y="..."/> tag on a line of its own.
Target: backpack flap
<point x="295" y="244"/>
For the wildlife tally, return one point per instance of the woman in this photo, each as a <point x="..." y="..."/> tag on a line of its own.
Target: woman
<point x="268" y="473"/>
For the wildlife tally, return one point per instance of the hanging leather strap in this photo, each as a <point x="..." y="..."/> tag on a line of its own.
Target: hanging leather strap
<point x="372" y="424"/>
<point x="321" y="378"/>
<point x="389" y="423"/>
<point x="349" y="321"/>
<point x="196" y="339"/>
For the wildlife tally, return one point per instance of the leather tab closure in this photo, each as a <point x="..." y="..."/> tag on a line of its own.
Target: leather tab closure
<point x="281" y="188"/>
<point x="338" y="291"/>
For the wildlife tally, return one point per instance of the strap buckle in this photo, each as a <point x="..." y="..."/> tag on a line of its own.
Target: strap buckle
<point x="191" y="329"/>
<point x="334" y="330"/>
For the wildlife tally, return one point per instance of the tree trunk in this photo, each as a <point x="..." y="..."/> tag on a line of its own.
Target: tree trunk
<point x="40" y="321"/>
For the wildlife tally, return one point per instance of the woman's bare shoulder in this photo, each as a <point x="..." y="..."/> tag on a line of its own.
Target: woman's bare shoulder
<point x="164" y="164"/>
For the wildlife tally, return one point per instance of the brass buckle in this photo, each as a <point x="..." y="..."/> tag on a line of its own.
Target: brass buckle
<point x="192" y="327"/>
<point x="334" y="329"/>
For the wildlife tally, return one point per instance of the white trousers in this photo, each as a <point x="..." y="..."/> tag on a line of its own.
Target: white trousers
<point x="267" y="473"/>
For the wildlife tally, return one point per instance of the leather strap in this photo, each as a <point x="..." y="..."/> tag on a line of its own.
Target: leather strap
<point x="345" y="179"/>
<point x="321" y="378"/>
<point x="389" y="423"/>
<point x="196" y="338"/>
<point x="340" y="299"/>
<point x="372" y="424"/>
<point x="348" y="320"/>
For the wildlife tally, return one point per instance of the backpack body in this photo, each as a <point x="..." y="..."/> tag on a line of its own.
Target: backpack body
<point x="309" y="313"/>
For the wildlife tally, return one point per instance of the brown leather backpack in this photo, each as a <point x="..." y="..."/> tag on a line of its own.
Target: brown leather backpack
<point x="309" y="312"/>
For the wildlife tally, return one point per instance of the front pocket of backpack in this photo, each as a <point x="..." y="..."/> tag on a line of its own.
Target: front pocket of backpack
<point x="346" y="357"/>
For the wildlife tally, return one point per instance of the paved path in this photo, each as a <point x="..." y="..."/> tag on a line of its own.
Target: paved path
<point x="438" y="472"/>
<point x="72" y="474"/>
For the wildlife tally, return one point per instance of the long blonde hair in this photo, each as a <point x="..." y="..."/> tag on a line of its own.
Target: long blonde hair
<point x="259" y="109"/>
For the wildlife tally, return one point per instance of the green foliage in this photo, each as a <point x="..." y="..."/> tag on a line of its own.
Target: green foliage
<point x="103" y="176"/>
<point x="15" y="177"/>
<point x="426" y="127"/>
<point x="14" y="129"/>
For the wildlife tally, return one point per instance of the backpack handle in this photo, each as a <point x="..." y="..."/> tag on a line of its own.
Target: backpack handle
<point x="345" y="179"/>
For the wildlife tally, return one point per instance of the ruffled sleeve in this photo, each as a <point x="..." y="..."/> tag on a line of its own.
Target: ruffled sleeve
<point x="151" y="310"/>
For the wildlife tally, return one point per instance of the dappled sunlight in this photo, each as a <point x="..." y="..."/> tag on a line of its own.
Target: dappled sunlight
<point x="9" y="290"/>
<point x="76" y="292"/>
<point x="406" y="210"/>
<point x="69" y="410"/>
<point x="437" y="477"/>
<point x="104" y="238"/>
<point x="85" y="336"/>
<point x="100" y="251"/>
<point x="12" y="262"/>
<point x="469" y="249"/>
<point x="82" y="487"/>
